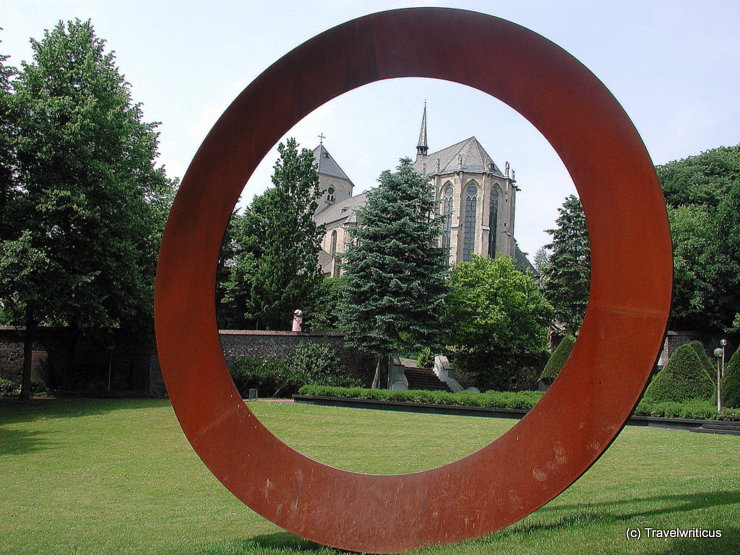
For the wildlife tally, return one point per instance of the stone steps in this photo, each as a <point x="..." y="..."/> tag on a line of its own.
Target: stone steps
<point x="424" y="378"/>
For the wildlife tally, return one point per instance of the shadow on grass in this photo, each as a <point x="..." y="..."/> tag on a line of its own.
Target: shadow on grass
<point x="587" y="515"/>
<point x="13" y="410"/>
<point x="676" y="503"/>
<point x="19" y="442"/>
<point x="269" y="544"/>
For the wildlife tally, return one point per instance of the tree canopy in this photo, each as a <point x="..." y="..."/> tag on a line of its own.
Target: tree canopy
<point x="394" y="274"/>
<point x="703" y="197"/>
<point x="496" y="318"/>
<point x="275" y="269"/>
<point x="86" y="205"/>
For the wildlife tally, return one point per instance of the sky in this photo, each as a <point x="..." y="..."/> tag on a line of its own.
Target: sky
<point x="673" y="65"/>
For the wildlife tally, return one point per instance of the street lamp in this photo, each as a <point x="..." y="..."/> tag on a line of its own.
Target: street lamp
<point x="719" y="352"/>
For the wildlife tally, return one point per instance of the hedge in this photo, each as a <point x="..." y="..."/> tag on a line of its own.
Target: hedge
<point x="682" y="379"/>
<point x="558" y="358"/>
<point x="492" y="399"/>
<point x="731" y="382"/>
<point x="512" y="400"/>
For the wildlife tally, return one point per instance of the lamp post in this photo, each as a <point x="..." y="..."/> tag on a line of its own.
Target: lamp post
<point x="719" y="352"/>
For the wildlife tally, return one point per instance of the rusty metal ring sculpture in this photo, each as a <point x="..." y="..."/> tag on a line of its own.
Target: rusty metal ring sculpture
<point x="597" y="389"/>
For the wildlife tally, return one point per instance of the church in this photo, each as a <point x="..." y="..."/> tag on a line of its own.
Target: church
<point x="478" y="198"/>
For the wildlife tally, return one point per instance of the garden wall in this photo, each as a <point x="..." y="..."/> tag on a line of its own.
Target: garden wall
<point x="117" y="361"/>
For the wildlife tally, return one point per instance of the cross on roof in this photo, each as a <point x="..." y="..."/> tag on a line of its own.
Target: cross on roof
<point x="321" y="138"/>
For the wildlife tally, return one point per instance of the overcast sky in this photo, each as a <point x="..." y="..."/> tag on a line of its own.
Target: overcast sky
<point x="673" y="65"/>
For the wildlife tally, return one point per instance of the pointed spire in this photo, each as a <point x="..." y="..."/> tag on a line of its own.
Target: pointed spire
<point x="422" y="147"/>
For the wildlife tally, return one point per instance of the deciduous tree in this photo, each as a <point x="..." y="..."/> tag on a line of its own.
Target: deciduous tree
<point x="88" y="204"/>
<point x="276" y="268"/>
<point x="496" y="319"/>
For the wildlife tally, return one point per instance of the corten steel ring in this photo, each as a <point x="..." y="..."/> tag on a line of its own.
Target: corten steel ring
<point x="597" y="389"/>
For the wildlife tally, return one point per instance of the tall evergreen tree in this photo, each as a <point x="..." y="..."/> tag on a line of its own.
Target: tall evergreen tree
<point x="567" y="274"/>
<point x="276" y="268"/>
<point x="89" y="204"/>
<point x="394" y="273"/>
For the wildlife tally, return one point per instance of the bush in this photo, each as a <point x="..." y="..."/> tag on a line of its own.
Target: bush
<point x="731" y="382"/>
<point x="682" y="379"/>
<point x="704" y="358"/>
<point x="310" y="363"/>
<point x="8" y="388"/>
<point x="425" y="359"/>
<point x="492" y="399"/>
<point x="270" y="377"/>
<point x="317" y="364"/>
<point x="558" y="358"/>
<point x="525" y="400"/>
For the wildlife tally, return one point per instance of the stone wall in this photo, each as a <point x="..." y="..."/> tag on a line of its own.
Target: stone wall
<point x="116" y="361"/>
<point x="279" y="344"/>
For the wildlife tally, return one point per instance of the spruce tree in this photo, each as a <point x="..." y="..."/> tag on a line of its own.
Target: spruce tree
<point x="567" y="273"/>
<point x="394" y="272"/>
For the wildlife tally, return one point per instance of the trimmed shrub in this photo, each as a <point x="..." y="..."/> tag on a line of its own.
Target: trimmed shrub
<point x="525" y="400"/>
<point x="558" y="358"/>
<point x="682" y="379"/>
<point x="705" y="360"/>
<point x="731" y="382"/>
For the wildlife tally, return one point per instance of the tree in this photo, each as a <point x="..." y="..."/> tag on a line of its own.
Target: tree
<point x="567" y="274"/>
<point x="395" y="276"/>
<point x="703" y="197"/>
<point x="496" y="318"/>
<point x="88" y="205"/>
<point x="276" y="269"/>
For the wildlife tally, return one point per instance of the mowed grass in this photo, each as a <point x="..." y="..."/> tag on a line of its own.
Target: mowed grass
<point x="118" y="476"/>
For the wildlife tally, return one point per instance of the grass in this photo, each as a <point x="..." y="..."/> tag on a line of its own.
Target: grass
<point x="117" y="476"/>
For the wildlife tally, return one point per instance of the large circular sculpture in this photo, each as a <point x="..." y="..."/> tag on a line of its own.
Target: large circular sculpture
<point x="595" y="393"/>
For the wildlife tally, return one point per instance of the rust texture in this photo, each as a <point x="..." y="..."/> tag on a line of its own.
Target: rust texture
<point x="603" y="379"/>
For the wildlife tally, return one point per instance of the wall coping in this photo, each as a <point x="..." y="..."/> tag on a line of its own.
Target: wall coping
<point x="280" y="333"/>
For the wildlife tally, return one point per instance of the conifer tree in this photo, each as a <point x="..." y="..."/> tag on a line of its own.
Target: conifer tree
<point x="394" y="272"/>
<point x="567" y="273"/>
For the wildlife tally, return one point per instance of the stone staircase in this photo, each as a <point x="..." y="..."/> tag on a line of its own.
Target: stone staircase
<point x="424" y="378"/>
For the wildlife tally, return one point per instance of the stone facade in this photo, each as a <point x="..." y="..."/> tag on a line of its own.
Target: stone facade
<point x="478" y="198"/>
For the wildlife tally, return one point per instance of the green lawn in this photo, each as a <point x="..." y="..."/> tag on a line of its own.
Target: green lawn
<point x="118" y="476"/>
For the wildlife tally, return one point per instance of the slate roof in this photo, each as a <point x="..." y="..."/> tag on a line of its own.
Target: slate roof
<point x="327" y="164"/>
<point x="341" y="210"/>
<point x="475" y="159"/>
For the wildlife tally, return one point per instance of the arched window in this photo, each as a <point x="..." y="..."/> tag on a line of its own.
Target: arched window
<point x="330" y="194"/>
<point x="447" y="213"/>
<point x="493" y="223"/>
<point x="471" y="205"/>
<point x="333" y="247"/>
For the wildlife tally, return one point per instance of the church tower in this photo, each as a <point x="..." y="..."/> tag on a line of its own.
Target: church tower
<point x="478" y="199"/>
<point x="334" y="184"/>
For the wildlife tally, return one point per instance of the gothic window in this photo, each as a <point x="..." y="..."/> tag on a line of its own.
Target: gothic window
<point x="333" y="248"/>
<point x="471" y="205"/>
<point x="493" y="223"/>
<point x="330" y="194"/>
<point x="447" y="213"/>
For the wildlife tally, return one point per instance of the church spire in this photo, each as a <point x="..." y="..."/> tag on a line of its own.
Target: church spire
<point x="422" y="147"/>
